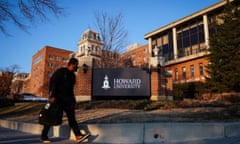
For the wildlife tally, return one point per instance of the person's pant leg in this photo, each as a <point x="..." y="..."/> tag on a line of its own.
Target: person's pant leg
<point x="45" y="131"/>
<point x="70" y="112"/>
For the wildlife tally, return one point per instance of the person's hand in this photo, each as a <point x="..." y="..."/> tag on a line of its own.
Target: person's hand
<point x="52" y="100"/>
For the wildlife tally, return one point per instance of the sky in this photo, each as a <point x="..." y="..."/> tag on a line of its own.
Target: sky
<point x="139" y="18"/>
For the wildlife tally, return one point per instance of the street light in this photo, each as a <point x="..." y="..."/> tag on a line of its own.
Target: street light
<point x="158" y="62"/>
<point x="158" y="59"/>
<point x="85" y="68"/>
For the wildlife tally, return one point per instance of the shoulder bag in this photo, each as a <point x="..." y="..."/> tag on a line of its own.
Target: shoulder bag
<point x="50" y="114"/>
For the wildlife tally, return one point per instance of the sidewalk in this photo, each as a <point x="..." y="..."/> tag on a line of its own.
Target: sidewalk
<point x="9" y="136"/>
<point x="122" y="126"/>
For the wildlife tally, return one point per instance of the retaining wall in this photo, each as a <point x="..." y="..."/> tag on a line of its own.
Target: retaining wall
<point x="137" y="133"/>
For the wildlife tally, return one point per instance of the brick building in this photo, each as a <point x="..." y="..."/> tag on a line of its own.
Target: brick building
<point x="184" y="44"/>
<point x="137" y="55"/>
<point x="18" y="81"/>
<point x="44" y="63"/>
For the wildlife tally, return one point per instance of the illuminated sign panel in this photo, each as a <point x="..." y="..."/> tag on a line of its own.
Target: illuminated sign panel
<point x="121" y="82"/>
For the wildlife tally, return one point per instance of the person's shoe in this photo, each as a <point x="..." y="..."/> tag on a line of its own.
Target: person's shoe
<point x="45" y="140"/>
<point x="81" y="138"/>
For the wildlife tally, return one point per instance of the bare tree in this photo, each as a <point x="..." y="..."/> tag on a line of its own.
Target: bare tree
<point x="22" y="12"/>
<point x="17" y="86"/>
<point x="6" y="77"/>
<point x="114" y="36"/>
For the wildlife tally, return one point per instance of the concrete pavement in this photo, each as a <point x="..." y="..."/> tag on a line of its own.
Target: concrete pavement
<point x="133" y="133"/>
<point x="133" y="130"/>
<point x="9" y="136"/>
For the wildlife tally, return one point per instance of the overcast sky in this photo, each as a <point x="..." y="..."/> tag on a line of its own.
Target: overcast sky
<point x="139" y="18"/>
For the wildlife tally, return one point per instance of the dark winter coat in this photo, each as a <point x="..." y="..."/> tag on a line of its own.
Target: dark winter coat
<point x="62" y="86"/>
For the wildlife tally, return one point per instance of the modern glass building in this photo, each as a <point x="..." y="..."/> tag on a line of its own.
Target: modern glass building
<point x="184" y="43"/>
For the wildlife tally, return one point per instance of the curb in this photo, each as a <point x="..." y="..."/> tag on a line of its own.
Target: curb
<point x="136" y="133"/>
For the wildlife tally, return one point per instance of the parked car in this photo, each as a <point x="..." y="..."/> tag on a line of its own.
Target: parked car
<point x="26" y="97"/>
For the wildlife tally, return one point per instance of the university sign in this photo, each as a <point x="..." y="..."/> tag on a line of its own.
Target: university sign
<point x="121" y="82"/>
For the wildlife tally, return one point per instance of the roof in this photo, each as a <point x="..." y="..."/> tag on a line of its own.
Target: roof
<point x="184" y="19"/>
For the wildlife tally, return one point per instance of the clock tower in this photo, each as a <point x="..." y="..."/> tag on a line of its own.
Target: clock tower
<point x="88" y="53"/>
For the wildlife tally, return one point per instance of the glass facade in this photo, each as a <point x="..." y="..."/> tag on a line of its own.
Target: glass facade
<point x="184" y="43"/>
<point x="165" y="45"/>
<point x="190" y="38"/>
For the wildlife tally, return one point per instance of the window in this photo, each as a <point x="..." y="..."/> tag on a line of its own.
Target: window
<point x="189" y="37"/>
<point x="57" y="66"/>
<point x="50" y="73"/>
<point x="192" y="70"/>
<point x="201" y="34"/>
<point x="51" y="57"/>
<point x="201" y="69"/>
<point x="94" y="36"/>
<point x="134" y="63"/>
<point x="133" y="54"/>
<point x="193" y="35"/>
<point x="145" y="50"/>
<point x="145" y="59"/>
<point x="50" y="65"/>
<point x="58" y="58"/>
<point x="186" y="40"/>
<point x="184" y="72"/>
<point x="64" y="60"/>
<point x="38" y="59"/>
<point x="176" y="74"/>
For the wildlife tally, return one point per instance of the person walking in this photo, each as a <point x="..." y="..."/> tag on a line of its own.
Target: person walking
<point x="61" y="91"/>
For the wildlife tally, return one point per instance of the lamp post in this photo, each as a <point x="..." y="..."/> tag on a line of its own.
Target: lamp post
<point x="85" y="68"/>
<point x="158" y="58"/>
<point x="158" y="74"/>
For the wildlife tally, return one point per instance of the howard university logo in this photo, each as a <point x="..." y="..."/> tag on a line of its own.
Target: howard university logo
<point x="106" y="83"/>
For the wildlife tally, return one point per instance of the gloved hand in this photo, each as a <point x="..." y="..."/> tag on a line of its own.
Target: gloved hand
<point x="52" y="99"/>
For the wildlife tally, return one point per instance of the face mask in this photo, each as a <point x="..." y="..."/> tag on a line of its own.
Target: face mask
<point x="75" y="67"/>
